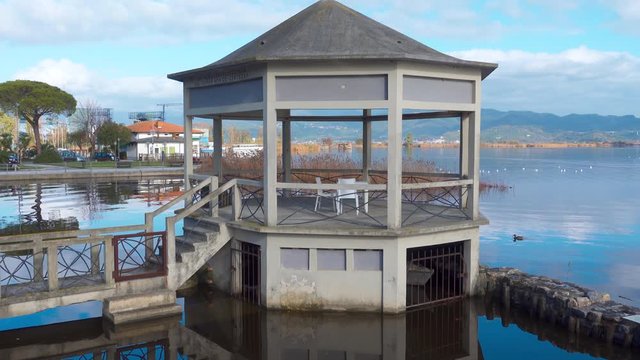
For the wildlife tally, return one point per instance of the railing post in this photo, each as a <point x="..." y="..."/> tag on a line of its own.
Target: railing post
<point x="236" y="203"/>
<point x="148" y="228"/>
<point x="38" y="264"/>
<point x="213" y="204"/>
<point x="170" y="245"/>
<point x="52" y="267"/>
<point x="109" y="261"/>
<point x="148" y="222"/>
<point x="95" y="258"/>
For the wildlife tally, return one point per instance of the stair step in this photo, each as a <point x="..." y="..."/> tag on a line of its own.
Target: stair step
<point x="183" y="249"/>
<point x="195" y="236"/>
<point x="186" y="243"/>
<point x="147" y="313"/>
<point x="136" y="301"/>
<point x="202" y="228"/>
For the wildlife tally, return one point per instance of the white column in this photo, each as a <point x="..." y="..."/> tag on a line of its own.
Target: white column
<point x="464" y="161"/>
<point x="474" y="150"/>
<point x="188" y="150"/>
<point x="217" y="147"/>
<point x="394" y="151"/>
<point x="188" y="142"/>
<point x="366" y="144"/>
<point x="474" y="162"/>
<point x="269" y="136"/>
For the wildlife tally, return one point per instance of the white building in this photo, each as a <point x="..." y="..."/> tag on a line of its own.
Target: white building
<point x="153" y="138"/>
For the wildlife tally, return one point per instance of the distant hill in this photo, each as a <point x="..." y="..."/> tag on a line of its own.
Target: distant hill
<point x="497" y="126"/>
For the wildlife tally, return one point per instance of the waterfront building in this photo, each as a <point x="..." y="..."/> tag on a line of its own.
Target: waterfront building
<point x="153" y="138"/>
<point x="367" y="239"/>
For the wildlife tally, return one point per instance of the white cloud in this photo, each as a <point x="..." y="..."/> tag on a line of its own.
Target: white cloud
<point x="432" y="18"/>
<point x="628" y="12"/>
<point x="140" y="21"/>
<point x="124" y="93"/>
<point x="576" y="80"/>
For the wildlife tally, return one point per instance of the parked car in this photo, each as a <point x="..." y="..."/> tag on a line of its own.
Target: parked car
<point x="67" y="155"/>
<point x="13" y="159"/>
<point x="104" y="156"/>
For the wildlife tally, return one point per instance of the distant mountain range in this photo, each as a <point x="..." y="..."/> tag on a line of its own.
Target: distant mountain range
<point x="497" y="126"/>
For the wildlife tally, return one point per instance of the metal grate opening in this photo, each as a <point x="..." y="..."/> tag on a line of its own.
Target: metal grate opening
<point x="435" y="273"/>
<point x="246" y="260"/>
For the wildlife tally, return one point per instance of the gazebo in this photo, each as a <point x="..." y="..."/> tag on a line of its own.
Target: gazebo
<point x="412" y="238"/>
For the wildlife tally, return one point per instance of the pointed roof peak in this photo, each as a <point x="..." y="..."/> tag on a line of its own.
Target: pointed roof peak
<point x="329" y="30"/>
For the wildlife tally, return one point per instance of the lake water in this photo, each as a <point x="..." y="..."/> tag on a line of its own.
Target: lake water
<point x="81" y="204"/>
<point x="215" y="326"/>
<point x="578" y="210"/>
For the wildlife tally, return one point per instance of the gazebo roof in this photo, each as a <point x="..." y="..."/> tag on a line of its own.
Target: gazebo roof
<point x="329" y="30"/>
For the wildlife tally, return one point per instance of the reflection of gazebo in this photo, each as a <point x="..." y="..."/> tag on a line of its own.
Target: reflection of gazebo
<point x="329" y="57"/>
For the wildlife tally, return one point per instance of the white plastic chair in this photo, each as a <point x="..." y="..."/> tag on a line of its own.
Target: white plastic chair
<point x="347" y="194"/>
<point x="322" y="194"/>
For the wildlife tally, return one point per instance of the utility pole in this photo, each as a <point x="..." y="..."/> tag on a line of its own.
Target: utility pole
<point x="164" y="106"/>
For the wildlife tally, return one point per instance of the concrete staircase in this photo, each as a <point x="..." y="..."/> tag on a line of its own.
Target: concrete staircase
<point x="193" y="249"/>
<point x="197" y="246"/>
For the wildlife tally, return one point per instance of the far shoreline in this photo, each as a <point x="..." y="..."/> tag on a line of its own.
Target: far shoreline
<point x="545" y="145"/>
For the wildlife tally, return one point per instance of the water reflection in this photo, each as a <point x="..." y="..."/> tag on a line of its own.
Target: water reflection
<point x="444" y="332"/>
<point x="218" y="327"/>
<point x="81" y="203"/>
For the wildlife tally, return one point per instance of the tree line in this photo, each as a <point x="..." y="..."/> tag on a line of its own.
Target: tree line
<point x="35" y="102"/>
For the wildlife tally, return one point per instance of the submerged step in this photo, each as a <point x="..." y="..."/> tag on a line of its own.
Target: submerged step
<point x="138" y="301"/>
<point x="147" y="313"/>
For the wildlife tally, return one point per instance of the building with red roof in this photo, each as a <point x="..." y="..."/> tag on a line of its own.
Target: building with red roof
<point x="157" y="139"/>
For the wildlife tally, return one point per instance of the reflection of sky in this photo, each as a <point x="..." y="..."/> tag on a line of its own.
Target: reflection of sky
<point x="81" y="311"/>
<point x="99" y="204"/>
<point x="498" y="343"/>
<point x="86" y="310"/>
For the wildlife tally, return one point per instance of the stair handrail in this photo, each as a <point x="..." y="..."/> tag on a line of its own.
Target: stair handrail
<point x="211" y="197"/>
<point x="148" y="217"/>
<point x="170" y="222"/>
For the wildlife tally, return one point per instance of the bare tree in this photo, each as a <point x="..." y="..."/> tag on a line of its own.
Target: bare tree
<point x="87" y="119"/>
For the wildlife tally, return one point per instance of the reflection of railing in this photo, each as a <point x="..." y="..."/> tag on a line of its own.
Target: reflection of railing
<point x="150" y="350"/>
<point x="81" y="258"/>
<point x="139" y="256"/>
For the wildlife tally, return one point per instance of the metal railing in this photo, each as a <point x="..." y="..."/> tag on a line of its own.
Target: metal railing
<point x="139" y="256"/>
<point x="425" y="197"/>
<point x="49" y="262"/>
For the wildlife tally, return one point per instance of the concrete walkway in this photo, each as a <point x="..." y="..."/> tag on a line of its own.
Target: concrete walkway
<point x="48" y="172"/>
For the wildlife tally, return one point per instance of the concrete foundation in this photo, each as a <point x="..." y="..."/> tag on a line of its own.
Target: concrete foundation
<point x="310" y="285"/>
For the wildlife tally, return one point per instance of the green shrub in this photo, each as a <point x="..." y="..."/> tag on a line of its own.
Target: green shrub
<point x="47" y="156"/>
<point x="4" y="156"/>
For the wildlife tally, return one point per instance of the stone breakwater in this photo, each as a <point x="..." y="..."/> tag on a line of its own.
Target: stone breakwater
<point x="580" y="310"/>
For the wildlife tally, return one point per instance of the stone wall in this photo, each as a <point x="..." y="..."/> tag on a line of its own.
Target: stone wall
<point x="580" y="310"/>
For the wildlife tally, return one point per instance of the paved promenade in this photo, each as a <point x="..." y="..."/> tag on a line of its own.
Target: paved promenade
<point x="48" y="172"/>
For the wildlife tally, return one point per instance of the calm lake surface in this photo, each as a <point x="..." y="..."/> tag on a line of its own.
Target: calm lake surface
<point x="578" y="209"/>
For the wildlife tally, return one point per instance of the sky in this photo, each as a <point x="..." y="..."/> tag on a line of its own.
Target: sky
<point x="555" y="56"/>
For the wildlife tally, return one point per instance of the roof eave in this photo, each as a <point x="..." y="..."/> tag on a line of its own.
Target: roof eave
<point x="485" y="68"/>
